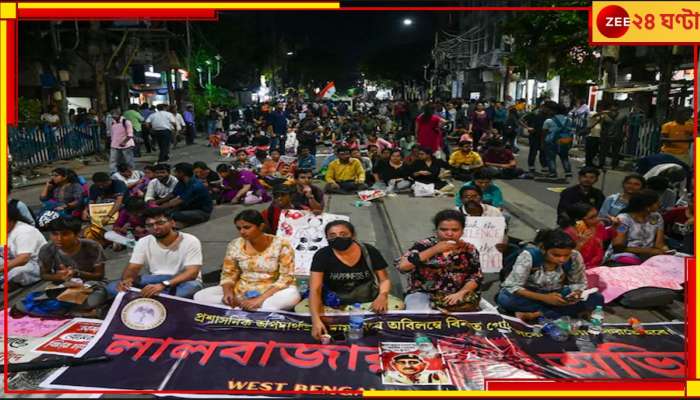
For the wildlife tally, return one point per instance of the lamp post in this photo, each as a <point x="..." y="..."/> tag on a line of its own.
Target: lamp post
<point x="208" y="64"/>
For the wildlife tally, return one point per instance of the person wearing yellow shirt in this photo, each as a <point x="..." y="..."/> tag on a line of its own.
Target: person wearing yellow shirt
<point x="677" y="135"/>
<point x="345" y="175"/>
<point x="465" y="161"/>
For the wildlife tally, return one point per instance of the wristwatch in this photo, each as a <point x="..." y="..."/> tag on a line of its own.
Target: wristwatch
<point x="166" y="283"/>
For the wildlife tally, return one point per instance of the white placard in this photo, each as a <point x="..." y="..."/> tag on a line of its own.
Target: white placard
<point x="485" y="233"/>
<point x="305" y="230"/>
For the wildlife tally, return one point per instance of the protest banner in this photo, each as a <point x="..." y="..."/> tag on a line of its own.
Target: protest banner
<point x="485" y="233"/>
<point x="72" y="339"/>
<point x="168" y="343"/>
<point x="305" y="230"/>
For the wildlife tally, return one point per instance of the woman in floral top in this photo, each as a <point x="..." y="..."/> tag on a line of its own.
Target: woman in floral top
<point x="548" y="280"/>
<point x="258" y="271"/>
<point x="444" y="270"/>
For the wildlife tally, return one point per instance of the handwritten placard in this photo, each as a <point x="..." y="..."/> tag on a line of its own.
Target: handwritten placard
<point x="485" y="233"/>
<point x="99" y="211"/>
<point x="305" y="230"/>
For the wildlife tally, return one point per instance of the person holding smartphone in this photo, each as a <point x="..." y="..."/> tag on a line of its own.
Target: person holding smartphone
<point x="548" y="280"/>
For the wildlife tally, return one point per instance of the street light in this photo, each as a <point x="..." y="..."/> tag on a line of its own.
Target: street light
<point x="290" y="53"/>
<point x="407" y="22"/>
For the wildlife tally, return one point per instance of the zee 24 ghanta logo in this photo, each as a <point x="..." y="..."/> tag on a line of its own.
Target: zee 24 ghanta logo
<point x="613" y="21"/>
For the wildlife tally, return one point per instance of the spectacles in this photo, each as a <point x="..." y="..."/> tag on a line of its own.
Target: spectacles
<point x="160" y="222"/>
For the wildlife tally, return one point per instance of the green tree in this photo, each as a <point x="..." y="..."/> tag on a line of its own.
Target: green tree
<point x="552" y="43"/>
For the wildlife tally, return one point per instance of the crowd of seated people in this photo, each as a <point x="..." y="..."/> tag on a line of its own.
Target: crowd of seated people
<point x="444" y="272"/>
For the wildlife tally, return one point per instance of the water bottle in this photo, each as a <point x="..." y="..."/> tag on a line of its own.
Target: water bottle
<point x="132" y="240"/>
<point x="303" y="286"/>
<point x="596" y="326"/>
<point x="551" y="329"/>
<point x="356" y="322"/>
<point x="425" y="346"/>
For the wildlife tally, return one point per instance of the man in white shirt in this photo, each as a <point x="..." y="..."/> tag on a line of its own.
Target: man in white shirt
<point x="24" y="242"/>
<point x="179" y="124"/>
<point x="160" y="190"/>
<point x="174" y="260"/>
<point x="162" y="124"/>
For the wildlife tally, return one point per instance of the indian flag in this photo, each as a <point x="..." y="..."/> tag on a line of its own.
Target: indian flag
<point x="327" y="91"/>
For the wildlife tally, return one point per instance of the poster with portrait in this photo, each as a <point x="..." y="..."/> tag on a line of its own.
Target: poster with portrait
<point x="485" y="233"/>
<point x="305" y="230"/>
<point x="404" y="363"/>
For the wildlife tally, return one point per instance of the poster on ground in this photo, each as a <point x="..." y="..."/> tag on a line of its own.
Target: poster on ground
<point x="403" y="363"/>
<point x="485" y="233"/>
<point x="305" y="230"/>
<point x="19" y="349"/>
<point x="168" y="343"/>
<point x="72" y="339"/>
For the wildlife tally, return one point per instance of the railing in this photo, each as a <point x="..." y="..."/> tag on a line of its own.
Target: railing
<point x="643" y="139"/>
<point x="34" y="145"/>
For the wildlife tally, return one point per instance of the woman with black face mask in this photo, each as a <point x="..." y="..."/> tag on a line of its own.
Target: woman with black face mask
<point x="344" y="273"/>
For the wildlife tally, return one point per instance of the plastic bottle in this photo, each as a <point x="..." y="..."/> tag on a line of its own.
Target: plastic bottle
<point x="636" y="325"/>
<point x="425" y="346"/>
<point x="564" y="323"/>
<point x="596" y="326"/>
<point x="356" y="322"/>
<point x="132" y="240"/>
<point x="552" y="330"/>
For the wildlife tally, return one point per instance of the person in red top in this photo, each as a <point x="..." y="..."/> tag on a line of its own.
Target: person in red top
<point x="281" y="200"/>
<point x="500" y="161"/>
<point x="581" y="223"/>
<point x="428" y="131"/>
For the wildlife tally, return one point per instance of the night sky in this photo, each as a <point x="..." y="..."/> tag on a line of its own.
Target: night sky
<point x="354" y="37"/>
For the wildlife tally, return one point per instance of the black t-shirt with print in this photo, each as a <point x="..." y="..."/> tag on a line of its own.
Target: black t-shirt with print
<point x="340" y="278"/>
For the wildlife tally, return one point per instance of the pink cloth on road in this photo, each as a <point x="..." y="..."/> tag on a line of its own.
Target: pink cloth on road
<point x="429" y="134"/>
<point x="660" y="271"/>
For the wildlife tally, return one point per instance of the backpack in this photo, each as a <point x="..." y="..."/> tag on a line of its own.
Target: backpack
<point x="537" y="261"/>
<point x="564" y="133"/>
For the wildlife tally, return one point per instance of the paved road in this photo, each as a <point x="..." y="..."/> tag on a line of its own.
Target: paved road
<point x="392" y="226"/>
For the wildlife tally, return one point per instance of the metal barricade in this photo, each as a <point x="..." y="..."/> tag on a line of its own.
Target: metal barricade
<point x="35" y="145"/>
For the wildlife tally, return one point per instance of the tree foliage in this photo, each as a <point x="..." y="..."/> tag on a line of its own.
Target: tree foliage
<point x="552" y="43"/>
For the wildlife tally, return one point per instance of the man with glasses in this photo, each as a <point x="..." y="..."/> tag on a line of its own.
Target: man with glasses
<point x="174" y="260"/>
